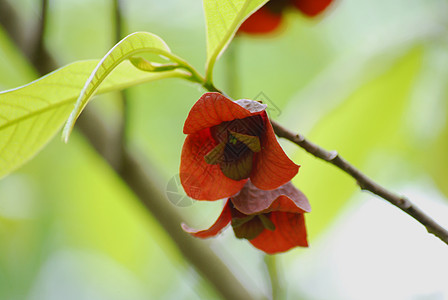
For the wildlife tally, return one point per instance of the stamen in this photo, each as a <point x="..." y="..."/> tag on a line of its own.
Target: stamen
<point x="215" y="156"/>
<point x="249" y="229"/>
<point x="267" y="223"/>
<point x="236" y="222"/>
<point x="252" y="142"/>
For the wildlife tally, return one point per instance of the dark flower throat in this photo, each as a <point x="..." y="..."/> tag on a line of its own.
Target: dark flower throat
<point x="237" y="140"/>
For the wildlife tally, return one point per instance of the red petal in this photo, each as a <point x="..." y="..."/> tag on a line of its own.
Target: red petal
<point x="200" y="180"/>
<point x="251" y="200"/>
<point x="262" y="21"/>
<point x="223" y="220"/>
<point x="290" y="231"/>
<point x="272" y="166"/>
<point x="213" y="109"/>
<point x="311" y="8"/>
<point x="286" y="204"/>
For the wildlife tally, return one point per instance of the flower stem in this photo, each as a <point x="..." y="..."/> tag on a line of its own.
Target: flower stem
<point x="272" y="267"/>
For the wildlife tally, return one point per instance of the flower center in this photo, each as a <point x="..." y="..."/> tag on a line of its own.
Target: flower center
<point x="232" y="139"/>
<point x="250" y="226"/>
<point x="238" y="140"/>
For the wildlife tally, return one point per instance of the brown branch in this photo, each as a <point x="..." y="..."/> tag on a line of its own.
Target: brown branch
<point x="11" y="23"/>
<point x="122" y="134"/>
<point x="38" y="55"/>
<point x="135" y="173"/>
<point x="363" y="181"/>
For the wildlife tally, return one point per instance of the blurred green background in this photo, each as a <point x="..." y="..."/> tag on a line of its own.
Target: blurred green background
<point x="367" y="78"/>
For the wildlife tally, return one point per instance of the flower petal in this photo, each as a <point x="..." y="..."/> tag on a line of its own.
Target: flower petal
<point x="311" y="8"/>
<point x="286" y="204"/>
<point x="213" y="109"/>
<point x="262" y="21"/>
<point x="202" y="181"/>
<point x="251" y="200"/>
<point x="251" y="105"/>
<point x="272" y="167"/>
<point x="290" y="231"/>
<point x="223" y="220"/>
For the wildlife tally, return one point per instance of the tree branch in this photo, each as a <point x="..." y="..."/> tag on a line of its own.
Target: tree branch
<point x="38" y="55"/>
<point x="363" y="181"/>
<point x="122" y="134"/>
<point x="10" y="23"/>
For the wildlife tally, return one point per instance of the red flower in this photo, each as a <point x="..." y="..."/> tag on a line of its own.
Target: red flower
<point x="273" y="221"/>
<point x="227" y="143"/>
<point x="311" y="8"/>
<point x="262" y="21"/>
<point x="269" y="17"/>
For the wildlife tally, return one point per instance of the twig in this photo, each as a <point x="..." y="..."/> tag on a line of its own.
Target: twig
<point x="363" y="181"/>
<point x="122" y="134"/>
<point x="118" y="19"/>
<point x="39" y="55"/>
<point x="10" y="23"/>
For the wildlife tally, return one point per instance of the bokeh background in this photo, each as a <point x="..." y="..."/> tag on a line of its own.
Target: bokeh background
<point x="367" y="78"/>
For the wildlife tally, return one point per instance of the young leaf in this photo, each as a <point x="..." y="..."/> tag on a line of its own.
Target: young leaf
<point x="30" y="115"/>
<point x="222" y="20"/>
<point x="135" y="43"/>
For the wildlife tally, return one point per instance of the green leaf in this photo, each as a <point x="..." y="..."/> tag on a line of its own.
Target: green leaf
<point x="30" y="115"/>
<point x="222" y="20"/>
<point x="135" y="43"/>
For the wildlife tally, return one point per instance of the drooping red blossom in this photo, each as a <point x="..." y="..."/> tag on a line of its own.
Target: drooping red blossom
<point x="311" y="8"/>
<point x="269" y="17"/>
<point x="273" y="221"/>
<point x="227" y="143"/>
<point x="261" y="22"/>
